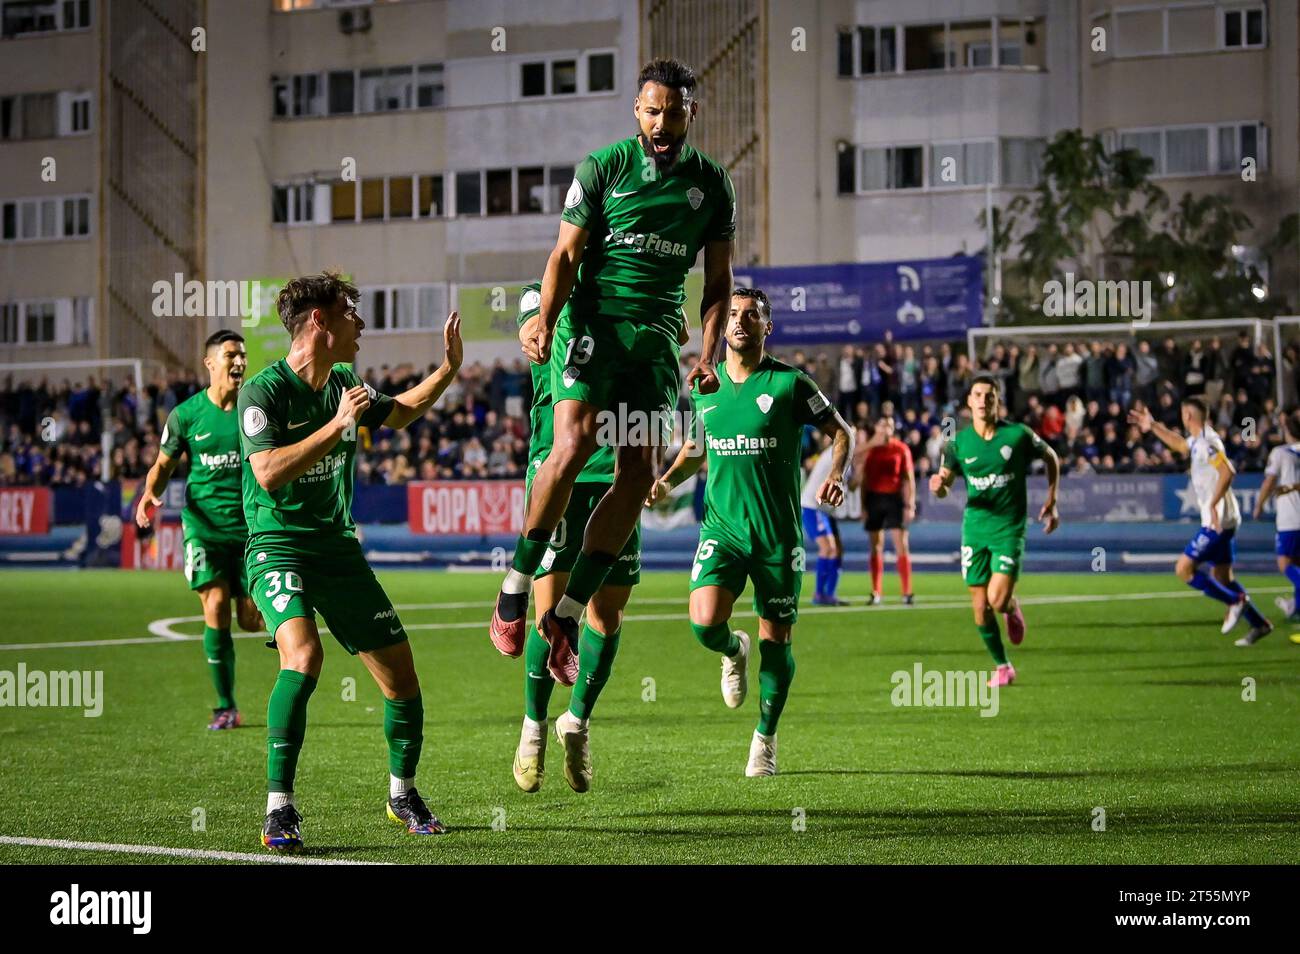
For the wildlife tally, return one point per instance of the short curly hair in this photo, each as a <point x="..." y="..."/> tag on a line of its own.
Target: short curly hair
<point x="300" y="295"/>
<point x="671" y="73"/>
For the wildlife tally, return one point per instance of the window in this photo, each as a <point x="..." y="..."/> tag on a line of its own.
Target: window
<point x="893" y="167"/>
<point x="45" y="218"/>
<point x="845" y="180"/>
<point x="429" y="88"/>
<point x="9" y="323"/>
<point x="372" y="200"/>
<point x="294" y="204"/>
<point x="1022" y="161"/>
<point x="923" y="47"/>
<point x="76" y="217"/>
<point x="44" y="115"/>
<point x="403" y="307"/>
<point x="300" y="95"/>
<point x="1243" y="28"/>
<point x="531" y="191"/>
<point x="561" y="76"/>
<point x="533" y="79"/>
<point x="558" y="180"/>
<point x="20" y="17"/>
<point x="396" y="90"/>
<point x="343" y="202"/>
<point x="1198" y="150"/>
<point x="873" y="50"/>
<point x="431" y="197"/>
<point x="961" y="164"/>
<point x="1187" y="151"/>
<point x="469" y="194"/>
<point x="600" y="73"/>
<point x="564" y="78"/>
<point x="1191" y="29"/>
<point x="82" y="320"/>
<point x="78" y="112"/>
<point x="39" y="322"/>
<point x="498" y="192"/>
<point x="400" y="198"/>
<point x="342" y="92"/>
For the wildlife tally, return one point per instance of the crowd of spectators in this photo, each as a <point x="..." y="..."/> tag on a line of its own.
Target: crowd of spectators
<point x="1076" y="395"/>
<point x="52" y="431"/>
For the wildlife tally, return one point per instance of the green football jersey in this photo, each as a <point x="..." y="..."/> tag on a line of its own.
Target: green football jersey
<point x="645" y="230"/>
<point x="995" y="472"/>
<point x="752" y="433"/>
<point x="214" y="505"/>
<point x="277" y="408"/>
<point x="541" y="418"/>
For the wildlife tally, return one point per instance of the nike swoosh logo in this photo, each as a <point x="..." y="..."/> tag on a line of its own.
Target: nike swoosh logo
<point x="280" y="745"/>
<point x="786" y="613"/>
<point x="623" y="195"/>
<point x="299" y="424"/>
<point x="706" y="410"/>
<point x="969" y="460"/>
<point x="533" y="675"/>
<point x="202" y="437"/>
<point x="394" y="632"/>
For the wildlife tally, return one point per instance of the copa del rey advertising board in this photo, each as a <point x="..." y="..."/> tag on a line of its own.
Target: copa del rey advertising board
<point x="24" y="511"/>
<point x="450" y="507"/>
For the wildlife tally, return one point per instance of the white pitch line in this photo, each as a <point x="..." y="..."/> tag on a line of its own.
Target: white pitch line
<point x="170" y="636"/>
<point x="175" y="852"/>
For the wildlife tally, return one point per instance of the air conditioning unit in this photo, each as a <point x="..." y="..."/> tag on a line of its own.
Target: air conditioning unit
<point x="355" y="21"/>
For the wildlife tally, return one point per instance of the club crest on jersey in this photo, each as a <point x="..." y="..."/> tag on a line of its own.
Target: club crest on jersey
<point x="764" y="402"/>
<point x="694" y="196"/>
<point x="570" y="375"/>
<point x="1005" y="451"/>
<point x="574" y="195"/>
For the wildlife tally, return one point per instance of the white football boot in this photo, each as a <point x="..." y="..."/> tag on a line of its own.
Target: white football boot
<point x="735" y="673"/>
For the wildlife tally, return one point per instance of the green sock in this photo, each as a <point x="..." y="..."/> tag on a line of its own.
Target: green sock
<point x="538" y="682"/>
<point x="992" y="637"/>
<point x="775" y="673"/>
<point x="596" y="653"/>
<point x="717" y="637"/>
<point x="286" y="724"/>
<point x="529" y="549"/>
<point x="220" y="651"/>
<point x="588" y="575"/>
<point x="404" y="730"/>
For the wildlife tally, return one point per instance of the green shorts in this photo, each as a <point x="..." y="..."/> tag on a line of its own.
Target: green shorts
<point x="566" y="542"/>
<point x="616" y="365"/>
<point x="777" y="578"/>
<point x="997" y="555"/>
<point x="208" y="559"/>
<point x="299" y="576"/>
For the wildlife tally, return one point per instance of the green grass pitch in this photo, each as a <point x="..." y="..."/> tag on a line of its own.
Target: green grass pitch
<point x="1129" y="700"/>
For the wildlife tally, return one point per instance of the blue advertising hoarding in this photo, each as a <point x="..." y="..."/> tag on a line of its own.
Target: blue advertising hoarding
<point x="828" y="304"/>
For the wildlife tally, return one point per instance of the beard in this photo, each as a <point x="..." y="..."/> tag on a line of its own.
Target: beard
<point x="662" y="160"/>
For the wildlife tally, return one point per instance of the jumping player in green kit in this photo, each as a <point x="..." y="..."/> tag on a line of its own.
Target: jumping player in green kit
<point x="601" y="631"/>
<point x="204" y="427"/>
<point x="752" y="527"/>
<point x="636" y="218"/>
<point x="994" y="455"/>
<point x="299" y="419"/>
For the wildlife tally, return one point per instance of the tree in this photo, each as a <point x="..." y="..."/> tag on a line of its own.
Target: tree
<point x="1097" y="215"/>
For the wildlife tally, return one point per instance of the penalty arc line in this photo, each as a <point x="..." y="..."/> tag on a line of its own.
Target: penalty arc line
<point x="162" y="850"/>
<point x="165" y="634"/>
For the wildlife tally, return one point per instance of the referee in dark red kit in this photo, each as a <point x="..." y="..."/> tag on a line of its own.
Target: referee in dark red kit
<point x="884" y="466"/>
